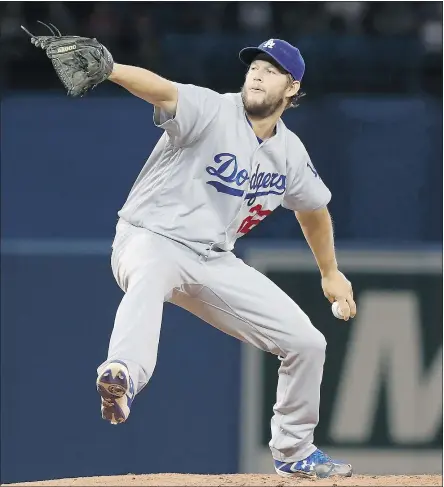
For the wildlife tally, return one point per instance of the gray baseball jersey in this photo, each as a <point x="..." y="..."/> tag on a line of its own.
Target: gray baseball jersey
<point x="209" y="180"/>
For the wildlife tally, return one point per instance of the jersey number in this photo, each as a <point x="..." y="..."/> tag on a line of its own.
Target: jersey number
<point x="257" y="215"/>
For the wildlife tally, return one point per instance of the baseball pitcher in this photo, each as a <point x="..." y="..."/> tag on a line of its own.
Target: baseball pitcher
<point x="223" y="163"/>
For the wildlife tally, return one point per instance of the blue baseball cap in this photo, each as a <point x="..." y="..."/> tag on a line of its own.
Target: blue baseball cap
<point x="286" y="55"/>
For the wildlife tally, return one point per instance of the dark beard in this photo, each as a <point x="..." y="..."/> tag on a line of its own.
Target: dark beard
<point x="260" y="111"/>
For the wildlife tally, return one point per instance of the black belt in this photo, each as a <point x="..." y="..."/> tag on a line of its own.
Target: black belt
<point x="217" y="249"/>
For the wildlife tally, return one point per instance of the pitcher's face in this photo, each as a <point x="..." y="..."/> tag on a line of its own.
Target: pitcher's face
<point x="266" y="89"/>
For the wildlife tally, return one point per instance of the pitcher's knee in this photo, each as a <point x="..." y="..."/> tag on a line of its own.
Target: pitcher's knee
<point x="308" y="341"/>
<point x="320" y="343"/>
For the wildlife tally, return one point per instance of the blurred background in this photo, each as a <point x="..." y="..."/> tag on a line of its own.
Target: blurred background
<point x="372" y="123"/>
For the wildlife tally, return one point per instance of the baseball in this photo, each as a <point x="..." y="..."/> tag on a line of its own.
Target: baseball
<point x="336" y="310"/>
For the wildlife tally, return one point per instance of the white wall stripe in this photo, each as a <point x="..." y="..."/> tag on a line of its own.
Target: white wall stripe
<point x="279" y="254"/>
<point x="372" y="261"/>
<point x="36" y="247"/>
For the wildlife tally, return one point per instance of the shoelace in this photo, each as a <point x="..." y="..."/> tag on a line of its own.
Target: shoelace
<point x="320" y="457"/>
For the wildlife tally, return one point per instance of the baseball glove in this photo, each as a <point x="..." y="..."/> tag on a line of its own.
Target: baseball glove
<point x="81" y="63"/>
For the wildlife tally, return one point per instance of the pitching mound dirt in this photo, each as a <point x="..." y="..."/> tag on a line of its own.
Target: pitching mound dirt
<point x="178" y="480"/>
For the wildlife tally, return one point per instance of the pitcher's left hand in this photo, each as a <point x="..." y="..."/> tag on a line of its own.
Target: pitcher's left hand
<point x="338" y="288"/>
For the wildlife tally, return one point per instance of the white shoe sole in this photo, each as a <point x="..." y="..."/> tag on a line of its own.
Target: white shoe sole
<point x="114" y="386"/>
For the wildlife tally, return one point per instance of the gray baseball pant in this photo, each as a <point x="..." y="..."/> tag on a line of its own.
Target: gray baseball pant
<point x="235" y="298"/>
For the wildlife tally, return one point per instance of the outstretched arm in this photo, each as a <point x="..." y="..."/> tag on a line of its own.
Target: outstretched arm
<point x="318" y="231"/>
<point x="147" y="85"/>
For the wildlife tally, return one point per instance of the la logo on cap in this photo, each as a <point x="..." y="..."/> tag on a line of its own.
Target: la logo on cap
<point x="269" y="44"/>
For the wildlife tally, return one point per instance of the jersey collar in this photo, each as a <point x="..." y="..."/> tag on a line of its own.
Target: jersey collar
<point x="258" y="138"/>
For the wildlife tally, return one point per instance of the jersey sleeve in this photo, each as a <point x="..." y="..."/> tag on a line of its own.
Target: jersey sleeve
<point x="305" y="189"/>
<point x="196" y="110"/>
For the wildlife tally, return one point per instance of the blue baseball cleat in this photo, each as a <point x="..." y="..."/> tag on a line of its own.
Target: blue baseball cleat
<point x="116" y="387"/>
<point x="318" y="464"/>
